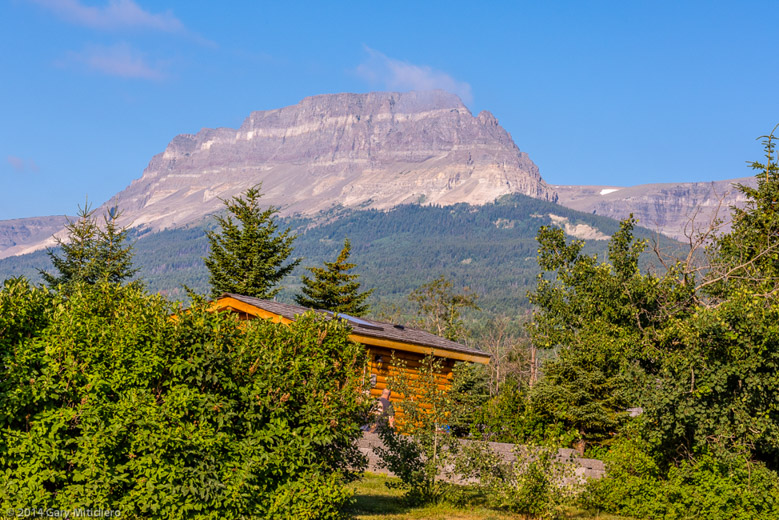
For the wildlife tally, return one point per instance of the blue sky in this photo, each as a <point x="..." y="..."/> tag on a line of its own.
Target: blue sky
<point x="614" y="93"/>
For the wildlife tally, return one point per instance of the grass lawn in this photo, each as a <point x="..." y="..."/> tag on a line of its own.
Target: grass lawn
<point x="375" y="500"/>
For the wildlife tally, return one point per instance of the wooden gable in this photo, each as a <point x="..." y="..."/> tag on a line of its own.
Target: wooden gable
<point x="382" y="340"/>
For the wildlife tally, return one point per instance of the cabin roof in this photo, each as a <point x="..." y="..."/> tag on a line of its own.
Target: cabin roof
<point x="365" y="329"/>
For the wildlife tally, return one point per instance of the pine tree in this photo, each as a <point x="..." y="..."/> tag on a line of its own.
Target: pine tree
<point x="332" y="288"/>
<point x="247" y="254"/>
<point x="747" y="257"/>
<point x="91" y="254"/>
<point x="114" y="255"/>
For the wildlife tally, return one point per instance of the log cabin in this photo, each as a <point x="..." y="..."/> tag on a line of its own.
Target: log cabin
<point x="382" y="340"/>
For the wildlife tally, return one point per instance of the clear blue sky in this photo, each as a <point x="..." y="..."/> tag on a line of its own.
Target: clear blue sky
<point x="597" y="92"/>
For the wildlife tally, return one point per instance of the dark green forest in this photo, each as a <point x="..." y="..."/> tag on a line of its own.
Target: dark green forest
<point x="490" y="250"/>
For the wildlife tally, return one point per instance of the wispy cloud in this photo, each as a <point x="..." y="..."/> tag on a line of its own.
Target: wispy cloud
<point x="117" y="14"/>
<point x="119" y="60"/>
<point x="394" y="74"/>
<point x="21" y="165"/>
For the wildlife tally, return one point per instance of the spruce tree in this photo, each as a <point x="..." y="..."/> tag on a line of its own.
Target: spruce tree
<point x="747" y="257"/>
<point x="114" y="255"/>
<point x="332" y="288"/>
<point x="91" y="254"/>
<point x="247" y="254"/>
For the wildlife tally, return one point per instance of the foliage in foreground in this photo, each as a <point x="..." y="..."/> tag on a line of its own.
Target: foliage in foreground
<point x="374" y="500"/>
<point x="108" y="402"/>
<point x="537" y="484"/>
<point x="710" y="486"/>
<point x="698" y="350"/>
<point x="426" y="455"/>
<point x="419" y="451"/>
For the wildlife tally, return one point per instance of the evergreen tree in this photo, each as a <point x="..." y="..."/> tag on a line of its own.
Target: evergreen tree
<point x="748" y="256"/>
<point x="115" y="256"/>
<point x="91" y="254"/>
<point x="247" y="254"/>
<point x="79" y="252"/>
<point x="596" y="316"/>
<point x="332" y="288"/>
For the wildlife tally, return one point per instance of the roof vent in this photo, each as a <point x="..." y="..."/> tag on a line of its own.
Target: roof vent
<point x="401" y="327"/>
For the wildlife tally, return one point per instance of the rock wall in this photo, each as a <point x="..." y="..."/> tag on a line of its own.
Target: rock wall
<point x="359" y="150"/>
<point x="585" y="468"/>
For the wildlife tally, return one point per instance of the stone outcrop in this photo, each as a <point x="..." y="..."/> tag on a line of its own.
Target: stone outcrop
<point x="372" y="150"/>
<point x="23" y="235"/>
<point x="671" y="209"/>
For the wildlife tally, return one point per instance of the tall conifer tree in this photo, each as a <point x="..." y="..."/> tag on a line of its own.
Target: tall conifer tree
<point x="91" y="253"/>
<point x="247" y="254"/>
<point x="333" y="288"/>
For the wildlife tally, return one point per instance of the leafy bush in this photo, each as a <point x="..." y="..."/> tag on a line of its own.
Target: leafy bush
<point x="421" y="452"/>
<point x="108" y="402"/>
<point x="537" y="484"/>
<point x="469" y="393"/>
<point x="711" y="486"/>
<point x="718" y="386"/>
<point x="510" y="416"/>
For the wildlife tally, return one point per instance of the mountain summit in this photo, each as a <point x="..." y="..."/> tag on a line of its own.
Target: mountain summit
<point x="373" y="150"/>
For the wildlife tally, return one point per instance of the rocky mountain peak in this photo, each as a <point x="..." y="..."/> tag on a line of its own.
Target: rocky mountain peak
<point x="486" y="118"/>
<point x="362" y="150"/>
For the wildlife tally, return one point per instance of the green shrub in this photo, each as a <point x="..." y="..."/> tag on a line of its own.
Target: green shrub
<point x="108" y="402"/>
<point x="420" y="451"/>
<point x="711" y="486"/>
<point x="509" y="416"/>
<point x="537" y="484"/>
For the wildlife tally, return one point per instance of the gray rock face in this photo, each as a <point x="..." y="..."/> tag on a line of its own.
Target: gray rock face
<point x="359" y="150"/>
<point x="373" y="150"/>
<point x="23" y="235"/>
<point x="674" y="210"/>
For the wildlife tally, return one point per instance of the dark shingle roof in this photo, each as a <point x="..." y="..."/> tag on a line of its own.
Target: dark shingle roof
<point x="364" y="326"/>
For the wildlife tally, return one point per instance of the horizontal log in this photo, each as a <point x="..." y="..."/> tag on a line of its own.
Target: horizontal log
<point x="399" y="354"/>
<point x="440" y="381"/>
<point x="410" y="364"/>
<point x="407" y="370"/>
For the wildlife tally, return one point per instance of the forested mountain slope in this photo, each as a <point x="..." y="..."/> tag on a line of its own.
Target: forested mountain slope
<point x="490" y="249"/>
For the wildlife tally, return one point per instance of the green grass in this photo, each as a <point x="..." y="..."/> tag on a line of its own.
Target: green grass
<point x="374" y="500"/>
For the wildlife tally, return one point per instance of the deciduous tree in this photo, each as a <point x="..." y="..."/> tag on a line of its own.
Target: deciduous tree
<point x="440" y="308"/>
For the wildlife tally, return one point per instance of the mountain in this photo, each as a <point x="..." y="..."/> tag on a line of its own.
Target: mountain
<point x="672" y="209"/>
<point x="489" y="248"/>
<point x="24" y="235"/>
<point x="358" y="151"/>
<point x="373" y="150"/>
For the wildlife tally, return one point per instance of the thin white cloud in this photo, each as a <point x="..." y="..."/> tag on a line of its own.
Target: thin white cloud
<point x="394" y="74"/>
<point x="119" y="60"/>
<point x="117" y="14"/>
<point x="20" y="165"/>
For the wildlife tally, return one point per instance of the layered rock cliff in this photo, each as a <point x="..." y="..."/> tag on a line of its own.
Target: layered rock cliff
<point x="24" y="235"/>
<point x="675" y="210"/>
<point x="373" y="150"/>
